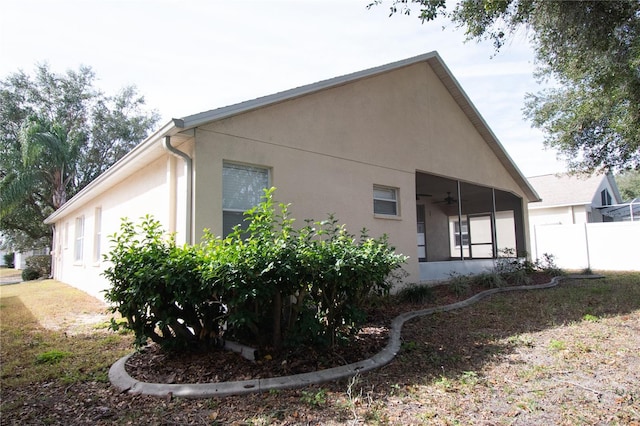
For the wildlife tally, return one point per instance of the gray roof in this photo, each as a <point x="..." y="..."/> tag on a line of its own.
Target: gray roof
<point x="568" y="190"/>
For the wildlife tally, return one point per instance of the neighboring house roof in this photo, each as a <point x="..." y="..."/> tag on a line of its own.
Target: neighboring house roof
<point x="151" y="148"/>
<point x="559" y="190"/>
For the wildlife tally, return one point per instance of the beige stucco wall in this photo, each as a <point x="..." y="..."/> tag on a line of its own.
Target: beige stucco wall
<point x="325" y="152"/>
<point x="328" y="149"/>
<point x="148" y="191"/>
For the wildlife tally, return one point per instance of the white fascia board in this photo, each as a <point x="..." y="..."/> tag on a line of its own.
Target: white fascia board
<point x="537" y="206"/>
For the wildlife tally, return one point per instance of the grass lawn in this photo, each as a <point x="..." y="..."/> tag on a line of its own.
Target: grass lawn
<point x="568" y="355"/>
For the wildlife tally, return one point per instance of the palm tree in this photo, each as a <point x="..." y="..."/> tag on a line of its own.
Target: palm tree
<point x="51" y="153"/>
<point x="44" y="174"/>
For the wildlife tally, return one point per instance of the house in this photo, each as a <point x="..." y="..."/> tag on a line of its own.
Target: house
<point x="571" y="199"/>
<point x="568" y="222"/>
<point x="398" y="149"/>
<point x="17" y="258"/>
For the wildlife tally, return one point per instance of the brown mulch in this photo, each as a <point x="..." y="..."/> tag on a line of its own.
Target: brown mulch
<point x="153" y="365"/>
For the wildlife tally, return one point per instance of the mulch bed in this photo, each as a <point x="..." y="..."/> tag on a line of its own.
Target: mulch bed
<point x="154" y="365"/>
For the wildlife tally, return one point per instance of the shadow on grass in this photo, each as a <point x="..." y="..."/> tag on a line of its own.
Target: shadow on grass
<point x="454" y="343"/>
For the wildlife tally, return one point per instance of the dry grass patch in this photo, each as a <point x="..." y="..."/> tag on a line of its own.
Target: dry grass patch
<point x="51" y="331"/>
<point x="563" y="356"/>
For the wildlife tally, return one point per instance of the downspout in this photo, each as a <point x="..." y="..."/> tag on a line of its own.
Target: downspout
<point x="189" y="163"/>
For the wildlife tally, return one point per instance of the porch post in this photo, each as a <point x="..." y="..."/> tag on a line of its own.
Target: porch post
<point x="460" y="222"/>
<point x="494" y="233"/>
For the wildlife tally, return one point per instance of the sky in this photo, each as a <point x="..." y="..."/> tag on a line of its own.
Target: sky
<point x="189" y="56"/>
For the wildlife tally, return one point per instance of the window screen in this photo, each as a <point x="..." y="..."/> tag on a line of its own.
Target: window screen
<point x="242" y="188"/>
<point x="385" y="201"/>
<point x="79" y="239"/>
<point x="97" y="234"/>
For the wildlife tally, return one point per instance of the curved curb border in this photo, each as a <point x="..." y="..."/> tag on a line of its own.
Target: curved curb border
<point x="125" y="383"/>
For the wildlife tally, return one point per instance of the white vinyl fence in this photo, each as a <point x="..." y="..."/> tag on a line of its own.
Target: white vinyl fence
<point x="609" y="246"/>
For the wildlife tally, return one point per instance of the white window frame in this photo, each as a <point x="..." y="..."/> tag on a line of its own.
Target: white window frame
<point x="257" y="196"/>
<point x="460" y="234"/>
<point x="97" y="234"/>
<point x="78" y="247"/>
<point x="66" y="235"/>
<point x="605" y="198"/>
<point x="379" y="199"/>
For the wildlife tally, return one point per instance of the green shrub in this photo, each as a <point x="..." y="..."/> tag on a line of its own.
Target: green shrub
<point x="459" y="284"/>
<point x="548" y="265"/>
<point x="41" y="263"/>
<point x="157" y="287"/>
<point x="286" y="285"/>
<point x="416" y="293"/>
<point x="490" y="280"/>
<point x="272" y="284"/>
<point x="29" y="273"/>
<point x="9" y="260"/>
<point x="518" y="271"/>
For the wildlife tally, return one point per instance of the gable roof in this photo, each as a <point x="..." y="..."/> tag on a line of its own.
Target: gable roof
<point x="151" y="148"/>
<point x="559" y="190"/>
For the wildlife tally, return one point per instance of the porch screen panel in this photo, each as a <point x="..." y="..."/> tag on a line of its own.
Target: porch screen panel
<point x="480" y="235"/>
<point x="506" y="232"/>
<point x="242" y="188"/>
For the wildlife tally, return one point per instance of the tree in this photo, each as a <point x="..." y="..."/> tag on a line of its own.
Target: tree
<point x="629" y="184"/>
<point x="58" y="133"/>
<point x="590" y="48"/>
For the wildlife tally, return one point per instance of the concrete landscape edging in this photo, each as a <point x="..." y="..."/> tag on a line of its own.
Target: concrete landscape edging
<point x="122" y="381"/>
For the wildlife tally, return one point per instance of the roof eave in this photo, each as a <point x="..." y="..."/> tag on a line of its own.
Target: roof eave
<point x="553" y="206"/>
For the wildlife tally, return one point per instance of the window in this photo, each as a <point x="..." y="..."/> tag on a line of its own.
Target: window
<point x="97" y="234"/>
<point x="605" y="198"/>
<point x="242" y="188"/>
<point x="461" y="236"/>
<point x="66" y="235"/>
<point x="79" y="239"/>
<point x="385" y="200"/>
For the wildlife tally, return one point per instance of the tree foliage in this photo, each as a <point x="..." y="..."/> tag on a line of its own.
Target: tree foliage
<point x="629" y="184"/>
<point x="591" y="49"/>
<point x="58" y="133"/>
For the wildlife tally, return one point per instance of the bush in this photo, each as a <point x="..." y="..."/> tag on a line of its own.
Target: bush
<point x="273" y="285"/>
<point x="490" y="280"/>
<point x="460" y="284"/>
<point x="9" y="260"/>
<point x="517" y="271"/>
<point x="41" y="263"/>
<point x="548" y="265"/>
<point x="284" y="285"/>
<point x="416" y="293"/>
<point x="158" y="288"/>
<point x="29" y="273"/>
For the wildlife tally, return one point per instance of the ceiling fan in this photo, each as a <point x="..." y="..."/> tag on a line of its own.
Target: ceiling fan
<point x="448" y="199"/>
